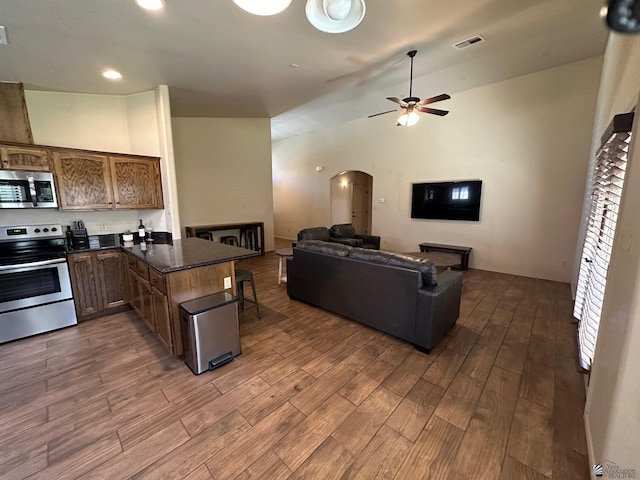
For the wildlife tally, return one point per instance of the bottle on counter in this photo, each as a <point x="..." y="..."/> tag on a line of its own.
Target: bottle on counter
<point x="141" y="231"/>
<point x="69" y="235"/>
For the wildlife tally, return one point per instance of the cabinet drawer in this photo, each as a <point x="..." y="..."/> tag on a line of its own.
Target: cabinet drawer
<point x="158" y="281"/>
<point x="142" y="270"/>
<point x="132" y="262"/>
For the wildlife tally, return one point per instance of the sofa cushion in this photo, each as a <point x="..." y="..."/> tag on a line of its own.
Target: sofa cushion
<point x="314" y="233"/>
<point x="343" y="230"/>
<point x="352" y="242"/>
<point x="425" y="266"/>
<point x="329" y="248"/>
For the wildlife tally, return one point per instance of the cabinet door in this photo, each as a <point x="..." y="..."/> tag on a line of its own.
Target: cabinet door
<point x="84" y="181"/>
<point x="135" y="294"/>
<point x="113" y="279"/>
<point x="24" y="158"/>
<point x="136" y="182"/>
<point x="83" y="282"/>
<point x="161" y="316"/>
<point x="147" y="304"/>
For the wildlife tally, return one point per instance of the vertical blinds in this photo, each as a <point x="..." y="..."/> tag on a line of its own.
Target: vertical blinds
<point x="606" y="191"/>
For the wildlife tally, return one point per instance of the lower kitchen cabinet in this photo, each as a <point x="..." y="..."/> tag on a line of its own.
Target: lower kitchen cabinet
<point x="99" y="283"/>
<point x="161" y="315"/>
<point x="149" y="299"/>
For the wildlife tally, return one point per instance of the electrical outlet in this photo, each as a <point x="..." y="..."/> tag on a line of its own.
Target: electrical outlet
<point x="103" y="226"/>
<point x="227" y="282"/>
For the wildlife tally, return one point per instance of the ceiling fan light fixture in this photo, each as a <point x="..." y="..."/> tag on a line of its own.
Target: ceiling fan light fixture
<point x="408" y="119"/>
<point x="263" y="8"/>
<point x="150" y="4"/>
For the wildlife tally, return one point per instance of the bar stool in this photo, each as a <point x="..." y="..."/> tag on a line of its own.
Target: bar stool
<point x="249" y="238"/>
<point x="246" y="276"/>
<point x="205" y="235"/>
<point x="229" y="240"/>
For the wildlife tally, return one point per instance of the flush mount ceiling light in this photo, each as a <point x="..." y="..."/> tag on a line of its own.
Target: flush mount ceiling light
<point x="150" y="4"/>
<point x="335" y="16"/>
<point x="112" y="74"/>
<point x="263" y="7"/>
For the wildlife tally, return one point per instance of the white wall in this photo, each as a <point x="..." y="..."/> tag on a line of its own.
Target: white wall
<point x="527" y="138"/>
<point x="612" y="414"/>
<point x="223" y="171"/>
<point x="110" y="123"/>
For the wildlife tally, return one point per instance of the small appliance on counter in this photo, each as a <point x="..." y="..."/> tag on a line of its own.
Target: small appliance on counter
<point x="80" y="237"/>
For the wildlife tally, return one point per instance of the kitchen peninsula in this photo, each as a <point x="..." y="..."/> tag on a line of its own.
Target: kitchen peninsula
<point x="162" y="276"/>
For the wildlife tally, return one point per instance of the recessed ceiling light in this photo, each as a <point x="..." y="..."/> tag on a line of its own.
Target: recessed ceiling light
<point x="150" y="4"/>
<point x="112" y="74"/>
<point x="294" y="65"/>
<point x="263" y="7"/>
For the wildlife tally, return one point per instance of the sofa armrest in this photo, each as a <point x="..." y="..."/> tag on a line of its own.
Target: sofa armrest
<point x="370" y="240"/>
<point x="438" y="309"/>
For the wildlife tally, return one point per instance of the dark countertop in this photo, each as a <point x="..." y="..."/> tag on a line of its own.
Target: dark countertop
<point x="187" y="253"/>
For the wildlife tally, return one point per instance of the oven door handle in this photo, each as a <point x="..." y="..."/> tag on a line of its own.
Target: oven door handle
<point x="4" y="268"/>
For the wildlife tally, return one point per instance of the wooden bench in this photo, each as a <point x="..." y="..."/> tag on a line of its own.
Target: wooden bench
<point x="464" y="252"/>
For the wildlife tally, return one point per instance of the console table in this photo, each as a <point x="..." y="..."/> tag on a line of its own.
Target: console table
<point x="195" y="231"/>
<point x="464" y="252"/>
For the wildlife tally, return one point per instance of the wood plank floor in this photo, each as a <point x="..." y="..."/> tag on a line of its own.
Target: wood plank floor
<point x="313" y="396"/>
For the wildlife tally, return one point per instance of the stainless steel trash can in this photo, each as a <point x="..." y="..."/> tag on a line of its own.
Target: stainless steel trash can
<point x="210" y="331"/>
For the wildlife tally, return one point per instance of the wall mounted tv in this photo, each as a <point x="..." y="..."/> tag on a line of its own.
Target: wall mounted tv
<point x="447" y="200"/>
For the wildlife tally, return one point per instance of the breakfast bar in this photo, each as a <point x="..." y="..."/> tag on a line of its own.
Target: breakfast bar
<point x="162" y="276"/>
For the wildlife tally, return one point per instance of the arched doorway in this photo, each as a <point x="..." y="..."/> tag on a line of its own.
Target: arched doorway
<point x="351" y="199"/>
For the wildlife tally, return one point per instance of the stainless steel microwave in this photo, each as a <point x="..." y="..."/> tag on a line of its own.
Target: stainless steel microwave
<point x="19" y="189"/>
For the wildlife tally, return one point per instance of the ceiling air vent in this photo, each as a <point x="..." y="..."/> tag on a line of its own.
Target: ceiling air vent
<point x="468" y="42"/>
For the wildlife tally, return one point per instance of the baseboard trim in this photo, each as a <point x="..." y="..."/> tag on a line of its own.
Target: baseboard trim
<point x="587" y="434"/>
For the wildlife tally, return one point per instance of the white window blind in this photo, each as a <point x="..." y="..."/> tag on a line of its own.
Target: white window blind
<point x="606" y="191"/>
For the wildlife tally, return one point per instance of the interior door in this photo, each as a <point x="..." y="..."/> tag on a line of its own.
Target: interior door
<point x="360" y="208"/>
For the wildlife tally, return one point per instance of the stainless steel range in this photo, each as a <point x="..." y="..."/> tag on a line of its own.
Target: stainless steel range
<point x="35" y="288"/>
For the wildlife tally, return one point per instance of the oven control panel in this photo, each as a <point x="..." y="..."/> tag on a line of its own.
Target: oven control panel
<point x="30" y="231"/>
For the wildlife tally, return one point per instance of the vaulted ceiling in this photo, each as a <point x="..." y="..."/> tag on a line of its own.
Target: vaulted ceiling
<point x="220" y="61"/>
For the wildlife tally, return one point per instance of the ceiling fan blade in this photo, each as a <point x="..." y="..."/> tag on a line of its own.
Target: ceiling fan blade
<point x="437" y="98"/>
<point x="398" y="101"/>
<point x="382" y="113"/>
<point x="434" y="111"/>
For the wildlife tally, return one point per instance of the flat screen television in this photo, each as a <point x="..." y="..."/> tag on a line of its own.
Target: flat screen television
<point x="447" y="200"/>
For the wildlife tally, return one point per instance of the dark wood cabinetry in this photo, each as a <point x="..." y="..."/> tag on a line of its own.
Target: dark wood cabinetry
<point x="149" y="299"/>
<point x="19" y="157"/>
<point x="90" y="180"/>
<point x="136" y="182"/>
<point x="84" y="181"/>
<point x="102" y="182"/>
<point x="99" y="283"/>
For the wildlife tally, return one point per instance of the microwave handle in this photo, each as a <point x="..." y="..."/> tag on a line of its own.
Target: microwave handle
<point x="32" y="190"/>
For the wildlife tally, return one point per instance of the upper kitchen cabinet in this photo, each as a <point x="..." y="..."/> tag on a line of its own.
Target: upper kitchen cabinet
<point x="84" y="180"/>
<point x="92" y="181"/>
<point x="136" y="182"/>
<point x="19" y="157"/>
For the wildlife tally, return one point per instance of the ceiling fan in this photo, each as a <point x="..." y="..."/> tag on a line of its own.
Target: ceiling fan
<point x="411" y="104"/>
